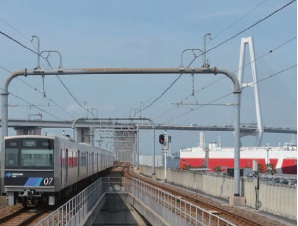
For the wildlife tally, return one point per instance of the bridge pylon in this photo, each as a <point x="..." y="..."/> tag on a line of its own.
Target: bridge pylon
<point x="253" y="84"/>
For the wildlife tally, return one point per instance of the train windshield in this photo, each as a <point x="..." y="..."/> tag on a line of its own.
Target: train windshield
<point x="29" y="153"/>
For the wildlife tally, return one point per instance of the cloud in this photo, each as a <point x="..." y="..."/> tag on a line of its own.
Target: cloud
<point x="75" y="109"/>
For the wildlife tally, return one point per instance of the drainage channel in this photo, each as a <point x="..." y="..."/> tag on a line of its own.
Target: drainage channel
<point x="116" y="210"/>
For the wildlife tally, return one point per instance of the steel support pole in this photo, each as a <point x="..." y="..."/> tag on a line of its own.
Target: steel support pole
<point x="237" y="146"/>
<point x="138" y="149"/>
<point x="82" y="71"/>
<point x="153" y="167"/>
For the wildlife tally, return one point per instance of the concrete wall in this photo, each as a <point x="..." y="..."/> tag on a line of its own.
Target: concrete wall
<point x="276" y="199"/>
<point x="280" y="200"/>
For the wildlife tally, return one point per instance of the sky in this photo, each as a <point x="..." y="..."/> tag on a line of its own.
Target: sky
<point x="152" y="34"/>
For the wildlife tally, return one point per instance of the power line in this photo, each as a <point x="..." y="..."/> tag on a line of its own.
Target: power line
<point x="33" y="105"/>
<point x="248" y="28"/>
<point x="201" y="106"/>
<point x="67" y="89"/>
<point x="70" y="93"/>
<point x="212" y="83"/>
<point x="219" y="98"/>
<point x="14" y="40"/>
<point x="235" y="22"/>
<point x="220" y="44"/>
<point x="48" y="64"/>
<point x="273" y="75"/>
<point x="14" y="29"/>
<point x="36" y="89"/>
<point x="256" y="59"/>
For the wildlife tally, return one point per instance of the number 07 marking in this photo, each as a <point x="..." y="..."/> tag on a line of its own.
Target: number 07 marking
<point x="47" y="181"/>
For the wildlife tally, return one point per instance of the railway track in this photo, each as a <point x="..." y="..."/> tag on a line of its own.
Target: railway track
<point x="238" y="216"/>
<point x="17" y="215"/>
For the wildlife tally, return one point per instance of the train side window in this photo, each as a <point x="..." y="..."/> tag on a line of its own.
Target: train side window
<point x="63" y="158"/>
<point x="83" y="159"/>
<point x="70" y="159"/>
<point x="74" y="159"/>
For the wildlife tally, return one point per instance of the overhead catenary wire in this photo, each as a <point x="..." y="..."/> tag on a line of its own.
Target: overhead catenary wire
<point x="248" y="28"/>
<point x="36" y="89"/>
<point x="22" y="45"/>
<point x="215" y="47"/>
<point x="22" y="79"/>
<point x="236" y="21"/>
<point x="249" y="63"/>
<point x="159" y="97"/>
<point x="15" y="29"/>
<point x="220" y="79"/>
<point x="221" y="97"/>
<point x="31" y="104"/>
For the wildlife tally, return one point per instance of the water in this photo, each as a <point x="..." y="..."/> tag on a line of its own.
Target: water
<point x="173" y="163"/>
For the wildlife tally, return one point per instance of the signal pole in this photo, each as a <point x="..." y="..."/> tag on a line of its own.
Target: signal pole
<point x="165" y="149"/>
<point x="164" y="140"/>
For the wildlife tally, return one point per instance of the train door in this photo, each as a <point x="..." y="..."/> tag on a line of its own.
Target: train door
<point x="78" y="163"/>
<point x="66" y="166"/>
<point x="62" y="166"/>
<point x="97" y="161"/>
<point x="92" y="166"/>
<point x="87" y="162"/>
<point x="101" y="167"/>
<point x="104" y="161"/>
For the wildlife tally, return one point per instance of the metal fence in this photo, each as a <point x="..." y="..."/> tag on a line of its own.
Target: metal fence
<point x="75" y="210"/>
<point x="173" y="209"/>
<point x="170" y="206"/>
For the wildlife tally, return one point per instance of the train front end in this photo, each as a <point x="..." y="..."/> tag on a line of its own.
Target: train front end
<point x="29" y="169"/>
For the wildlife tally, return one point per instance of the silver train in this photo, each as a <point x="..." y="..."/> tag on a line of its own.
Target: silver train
<point x="49" y="168"/>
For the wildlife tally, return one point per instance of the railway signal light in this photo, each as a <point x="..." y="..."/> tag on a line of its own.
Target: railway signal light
<point x="161" y="139"/>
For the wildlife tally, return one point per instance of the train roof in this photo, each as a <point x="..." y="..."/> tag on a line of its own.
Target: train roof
<point x="50" y="136"/>
<point x="53" y="136"/>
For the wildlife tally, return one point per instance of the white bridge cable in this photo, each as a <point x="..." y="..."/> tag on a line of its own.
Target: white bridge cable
<point x="215" y="47"/>
<point x="220" y="79"/>
<point x="219" y="98"/>
<point x="275" y="103"/>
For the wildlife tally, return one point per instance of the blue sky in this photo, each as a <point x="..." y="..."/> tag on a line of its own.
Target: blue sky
<point x="152" y="34"/>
